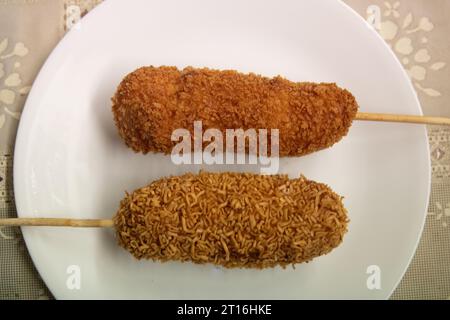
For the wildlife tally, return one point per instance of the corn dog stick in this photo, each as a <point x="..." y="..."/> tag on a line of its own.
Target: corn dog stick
<point x="401" y="118"/>
<point x="58" y="222"/>
<point x="236" y="220"/>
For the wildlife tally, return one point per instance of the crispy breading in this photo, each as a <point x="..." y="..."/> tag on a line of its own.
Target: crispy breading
<point x="231" y="219"/>
<point x="151" y="102"/>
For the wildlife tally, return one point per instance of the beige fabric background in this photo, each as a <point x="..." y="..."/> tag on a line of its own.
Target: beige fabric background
<point x="418" y="33"/>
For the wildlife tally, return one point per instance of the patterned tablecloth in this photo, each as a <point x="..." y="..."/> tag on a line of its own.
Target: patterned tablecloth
<point x="416" y="30"/>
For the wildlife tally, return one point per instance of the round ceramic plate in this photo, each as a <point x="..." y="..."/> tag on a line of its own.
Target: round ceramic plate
<point x="70" y="161"/>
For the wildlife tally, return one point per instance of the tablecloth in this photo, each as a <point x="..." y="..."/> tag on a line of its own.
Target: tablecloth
<point x="416" y="30"/>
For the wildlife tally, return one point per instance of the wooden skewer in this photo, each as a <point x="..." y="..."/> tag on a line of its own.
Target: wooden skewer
<point x="58" y="222"/>
<point x="401" y="118"/>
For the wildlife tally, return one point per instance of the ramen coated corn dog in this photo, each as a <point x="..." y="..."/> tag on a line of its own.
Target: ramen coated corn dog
<point x="231" y="219"/>
<point x="151" y="102"/>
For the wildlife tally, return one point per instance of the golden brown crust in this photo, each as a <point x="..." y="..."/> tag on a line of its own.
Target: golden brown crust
<point x="153" y="101"/>
<point x="231" y="219"/>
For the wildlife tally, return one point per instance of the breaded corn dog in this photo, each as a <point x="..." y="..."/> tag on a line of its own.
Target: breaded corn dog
<point x="151" y="102"/>
<point x="231" y="219"/>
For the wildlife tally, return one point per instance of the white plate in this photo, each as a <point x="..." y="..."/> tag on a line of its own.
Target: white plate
<point x="70" y="162"/>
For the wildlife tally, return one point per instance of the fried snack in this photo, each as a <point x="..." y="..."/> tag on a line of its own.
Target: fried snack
<point x="151" y="102"/>
<point x="236" y="220"/>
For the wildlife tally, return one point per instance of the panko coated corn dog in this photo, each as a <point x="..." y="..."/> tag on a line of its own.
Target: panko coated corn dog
<point x="231" y="219"/>
<point x="151" y="102"/>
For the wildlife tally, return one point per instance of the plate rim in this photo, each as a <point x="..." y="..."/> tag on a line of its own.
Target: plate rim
<point x="428" y="158"/>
